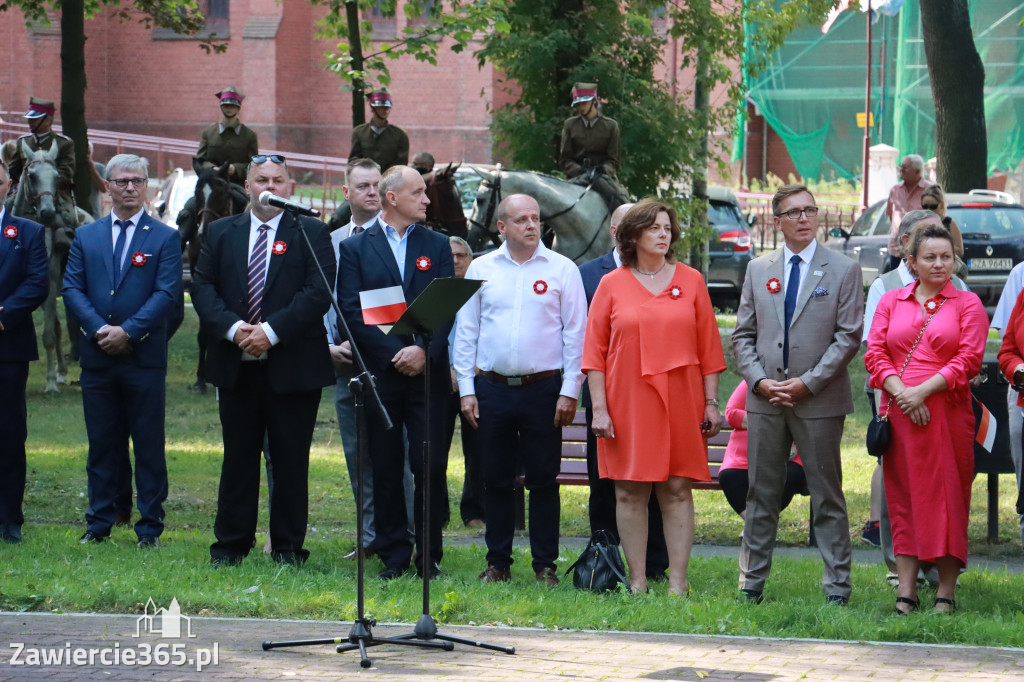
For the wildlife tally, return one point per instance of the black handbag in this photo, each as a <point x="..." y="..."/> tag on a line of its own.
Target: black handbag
<point x="879" y="428"/>
<point x="599" y="567"/>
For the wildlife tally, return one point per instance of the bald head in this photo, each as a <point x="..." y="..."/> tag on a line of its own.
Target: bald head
<point x="617" y="217"/>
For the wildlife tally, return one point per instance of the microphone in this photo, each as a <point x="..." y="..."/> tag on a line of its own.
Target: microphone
<point x="268" y="199"/>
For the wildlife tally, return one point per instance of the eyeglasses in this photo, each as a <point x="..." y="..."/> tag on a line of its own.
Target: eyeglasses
<point x="122" y="183"/>
<point x="263" y="158"/>
<point x="794" y="213"/>
<point x="929" y="207"/>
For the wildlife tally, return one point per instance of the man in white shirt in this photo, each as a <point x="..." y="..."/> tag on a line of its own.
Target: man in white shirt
<point x="518" y="351"/>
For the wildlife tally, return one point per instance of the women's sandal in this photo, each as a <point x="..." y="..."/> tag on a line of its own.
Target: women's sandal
<point x="943" y="605"/>
<point x="913" y="603"/>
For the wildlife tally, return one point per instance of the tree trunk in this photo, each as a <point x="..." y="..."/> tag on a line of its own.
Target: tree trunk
<point x="355" y="51"/>
<point x="699" y="221"/>
<point x="958" y="79"/>
<point x="72" y="95"/>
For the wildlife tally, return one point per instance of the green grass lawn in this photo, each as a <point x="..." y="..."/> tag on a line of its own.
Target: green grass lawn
<point x="51" y="572"/>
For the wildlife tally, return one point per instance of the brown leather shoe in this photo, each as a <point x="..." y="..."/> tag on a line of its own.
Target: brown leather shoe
<point x="493" y="574"/>
<point x="548" y="576"/>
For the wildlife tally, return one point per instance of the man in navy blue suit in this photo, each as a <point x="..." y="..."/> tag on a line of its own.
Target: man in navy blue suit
<point x="123" y="284"/>
<point x="24" y="285"/>
<point x="602" y="491"/>
<point x="400" y="256"/>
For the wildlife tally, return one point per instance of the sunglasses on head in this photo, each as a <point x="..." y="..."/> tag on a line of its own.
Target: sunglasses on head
<point x="263" y="158"/>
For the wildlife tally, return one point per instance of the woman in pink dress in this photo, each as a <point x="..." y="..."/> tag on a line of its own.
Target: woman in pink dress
<point x="929" y="466"/>
<point x="652" y="356"/>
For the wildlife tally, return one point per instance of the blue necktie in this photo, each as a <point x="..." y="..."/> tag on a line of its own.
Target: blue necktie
<point x="792" y="289"/>
<point x="119" y="247"/>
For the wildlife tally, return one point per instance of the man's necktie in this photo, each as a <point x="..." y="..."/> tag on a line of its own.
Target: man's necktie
<point x="119" y="247"/>
<point x="792" y="289"/>
<point x="357" y="229"/>
<point x="257" y="275"/>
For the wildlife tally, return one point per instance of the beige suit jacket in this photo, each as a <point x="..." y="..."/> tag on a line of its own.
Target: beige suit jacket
<point x="824" y="334"/>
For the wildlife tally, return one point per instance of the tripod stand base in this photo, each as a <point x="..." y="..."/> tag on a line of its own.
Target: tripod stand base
<point x="426" y="632"/>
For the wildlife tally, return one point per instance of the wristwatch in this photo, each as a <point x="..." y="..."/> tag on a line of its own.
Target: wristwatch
<point x="711" y="401"/>
<point x="757" y="384"/>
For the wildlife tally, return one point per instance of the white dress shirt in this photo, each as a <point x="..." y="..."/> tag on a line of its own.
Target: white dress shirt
<point x="1012" y="289"/>
<point x="254" y="230"/>
<point x="398" y="243"/>
<point x="509" y="328"/>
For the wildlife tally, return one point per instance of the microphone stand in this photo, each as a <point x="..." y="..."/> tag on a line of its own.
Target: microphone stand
<point x="360" y="636"/>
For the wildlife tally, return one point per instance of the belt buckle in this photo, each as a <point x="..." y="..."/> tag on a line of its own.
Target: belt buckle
<point x="515" y="381"/>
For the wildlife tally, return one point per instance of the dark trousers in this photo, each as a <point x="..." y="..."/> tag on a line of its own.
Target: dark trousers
<point x="250" y="413"/>
<point x="602" y="510"/>
<point x="13" y="432"/>
<point x="471" y="505"/>
<point x="516" y="426"/>
<point x="404" y="399"/>
<point x="736" y="483"/>
<point x="120" y="402"/>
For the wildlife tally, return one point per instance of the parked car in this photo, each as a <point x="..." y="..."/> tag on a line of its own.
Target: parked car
<point x="733" y="248"/>
<point x="992" y="225"/>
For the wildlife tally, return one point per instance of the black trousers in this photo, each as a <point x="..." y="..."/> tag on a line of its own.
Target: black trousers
<point x="517" y="426"/>
<point x="250" y="412"/>
<point x="602" y="509"/>
<point x="13" y="432"/>
<point x="471" y="505"/>
<point x="736" y="482"/>
<point x="405" y="400"/>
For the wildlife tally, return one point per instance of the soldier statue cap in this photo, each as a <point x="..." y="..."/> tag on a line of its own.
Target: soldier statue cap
<point x="583" y="92"/>
<point x="38" y="108"/>
<point x="231" y="95"/>
<point x="379" y="98"/>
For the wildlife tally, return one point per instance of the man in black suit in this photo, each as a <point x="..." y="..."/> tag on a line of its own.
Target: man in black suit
<point x="395" y="260"/>
<point x="259" y="296"/>
<point x="24" y="285"/>
<point x="602" y="491"/>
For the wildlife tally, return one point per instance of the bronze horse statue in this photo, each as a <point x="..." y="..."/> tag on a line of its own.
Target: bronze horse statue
<point x="215" y="198"/>
<point x="38" y="199"/>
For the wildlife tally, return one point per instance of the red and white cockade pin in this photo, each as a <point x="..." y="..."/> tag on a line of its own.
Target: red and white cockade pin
<point x="774" y="285"/>
<point x="423" y="263"/>
<point x="675" y="292"/>
<point x="280" y="248"/>
<point x="11" y="231"/>
<point x="138" y="259"/>
<point x="540" y="286"/>
<point x="932" y="304"/>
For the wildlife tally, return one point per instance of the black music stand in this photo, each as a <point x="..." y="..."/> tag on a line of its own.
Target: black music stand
<point x="434" y="308"/>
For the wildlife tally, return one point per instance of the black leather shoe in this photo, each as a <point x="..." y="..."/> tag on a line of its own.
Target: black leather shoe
<point x="222" y="561"/>
<point x="89" y="536"/>
<point x="434" y="570"/>
<point x="290" y="557"/>
<point x="836" y="600"/>
<point x="392" y="572"/>
<point x="752" y="596"/>
<point x="10" y="533"/>
<point x="148" y="542"/>
<point x="123" y="520"/>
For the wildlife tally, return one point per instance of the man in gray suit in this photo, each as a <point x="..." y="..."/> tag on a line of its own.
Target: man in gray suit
<point x="798" y="327"/>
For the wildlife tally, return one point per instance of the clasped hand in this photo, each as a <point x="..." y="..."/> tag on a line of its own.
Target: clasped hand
<point x="784" y="393"/>
<point x="910" y="400"/>
<point x="252" y="339"/>
<point x="113" y="340"/>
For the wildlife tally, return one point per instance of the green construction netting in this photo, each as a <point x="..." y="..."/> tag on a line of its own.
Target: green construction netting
<point x="815" y="86"/>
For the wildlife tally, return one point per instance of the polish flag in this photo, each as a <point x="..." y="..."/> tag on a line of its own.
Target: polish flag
<point x="382" y="306"/>
<point x="984" y="425"/>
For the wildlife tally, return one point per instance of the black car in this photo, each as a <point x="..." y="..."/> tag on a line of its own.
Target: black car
<point x="731" y="251"/>
<point x="993" y="230"/>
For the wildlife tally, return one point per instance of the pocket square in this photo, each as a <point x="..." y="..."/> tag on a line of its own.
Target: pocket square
<point x="819" y="291"/>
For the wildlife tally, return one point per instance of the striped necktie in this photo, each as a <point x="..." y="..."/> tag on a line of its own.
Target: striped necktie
<point x="257" y="275"/>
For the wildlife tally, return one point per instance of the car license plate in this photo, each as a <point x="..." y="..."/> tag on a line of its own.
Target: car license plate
<point x="990" y="264"/>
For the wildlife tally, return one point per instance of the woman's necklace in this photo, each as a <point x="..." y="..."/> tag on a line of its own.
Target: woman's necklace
<point x="650" y="274"/>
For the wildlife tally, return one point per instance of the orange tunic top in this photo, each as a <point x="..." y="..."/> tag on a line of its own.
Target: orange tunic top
<point x="654" y="351"/>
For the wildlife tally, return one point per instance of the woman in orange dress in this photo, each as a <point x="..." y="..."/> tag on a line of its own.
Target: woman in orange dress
<point x="652" y="356"/>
